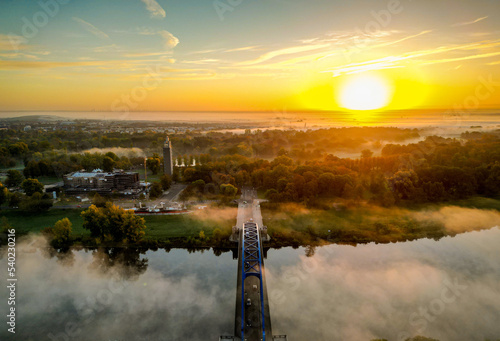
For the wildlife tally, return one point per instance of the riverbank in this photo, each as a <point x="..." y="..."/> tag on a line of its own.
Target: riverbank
<point x="290" y="224"/>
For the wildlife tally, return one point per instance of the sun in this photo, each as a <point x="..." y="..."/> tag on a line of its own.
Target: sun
<point x="365" y="92"/>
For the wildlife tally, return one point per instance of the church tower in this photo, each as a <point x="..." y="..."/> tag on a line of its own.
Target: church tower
<point x="168" y="166"/>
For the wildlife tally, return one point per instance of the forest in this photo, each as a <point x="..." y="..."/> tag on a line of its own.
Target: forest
<point x="385" y="166"/>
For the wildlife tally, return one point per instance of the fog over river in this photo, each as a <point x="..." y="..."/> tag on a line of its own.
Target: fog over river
<point x="447" y="289"/>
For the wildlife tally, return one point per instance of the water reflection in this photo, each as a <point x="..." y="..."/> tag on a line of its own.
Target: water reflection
<point x="446" y="289"/>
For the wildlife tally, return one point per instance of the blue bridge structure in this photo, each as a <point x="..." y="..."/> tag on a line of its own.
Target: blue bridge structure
<point x="252" y="314"/>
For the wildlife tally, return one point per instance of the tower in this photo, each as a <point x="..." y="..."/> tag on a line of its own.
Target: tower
<point x="168" y="166"/>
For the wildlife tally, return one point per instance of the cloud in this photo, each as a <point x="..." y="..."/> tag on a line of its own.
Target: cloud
<point x="94" y="295"/>
<point x="245" y="48"/>
<point x="379" y="291"/>
<point x="203" y="61"/>
<point x="402" y="60"/>
<point x="148" y="54"/>
<point x="282" y="52"/>
<point x="469" y="22"/>
<point x="12" y="42"/>
<point x="154" y="8"/>
<point x="459" y="219"/>
<point x="170" y="40"/>
<point x="21" y="64"/>
<point x="92" y="29"/>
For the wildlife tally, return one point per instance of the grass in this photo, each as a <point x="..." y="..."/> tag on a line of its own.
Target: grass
<point x="289" y="224"/>
<point x="179" y="226"/>
<point x="19" y="166"/>
<point x="25" y="222"/>
<point x="151" y="177"/>
<point x="296" y="225"/>
<point x="159" y="227"/>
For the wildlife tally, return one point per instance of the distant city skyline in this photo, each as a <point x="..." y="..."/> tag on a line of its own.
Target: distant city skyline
<point x="147" y="55"/>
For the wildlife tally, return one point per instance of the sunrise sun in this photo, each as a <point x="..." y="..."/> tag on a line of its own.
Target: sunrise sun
<point x="364" y="93"/>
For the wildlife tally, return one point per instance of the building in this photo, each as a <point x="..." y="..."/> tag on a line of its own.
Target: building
<point x="101" y="182"/>
<point x="168" y="166"/>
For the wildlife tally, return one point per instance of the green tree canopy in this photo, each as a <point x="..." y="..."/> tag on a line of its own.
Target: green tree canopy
<point x="32" y="186"/>
<point x="166" y="181"/>
<point x="108" y="164"/>
<point x="228" y="190"/>
<point x="62" y="231"/>
<point x="113" y="223"/>
<point x="38" y="202"/>
<point x="156" y="190"/>
<point x="153" y="163"/>
<point x="14" y="178"/>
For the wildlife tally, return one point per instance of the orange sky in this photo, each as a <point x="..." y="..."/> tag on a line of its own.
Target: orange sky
<point x="255" y="57"/>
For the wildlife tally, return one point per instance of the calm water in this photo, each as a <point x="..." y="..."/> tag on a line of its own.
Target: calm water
<point x="447" y="289"/>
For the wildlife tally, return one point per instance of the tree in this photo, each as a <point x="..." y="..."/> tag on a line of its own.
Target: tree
<point x="108" y="164"/>
<point x="366" y="153"/>
<point x="61" y="231"/>
<point x="228" y="190"/>
<point x="18" y="149"/>
<point x="32" y="170"/>
<point x="38" y="202"/>
<point x="32" y="186"/>
<point x="403" y="184"/>
<point x="156" y="190"/>
<point x="14" y="178"/>
<point x="3" y="194"/>
<point x="113" y="223"/>
<point x="5" y="225"/>
<point x="99" y="200"/>
<point x="166" y="181"/>
<point x="14" y="199"/>
<point x="217" y="234"/>
<point x="153" y="163"/>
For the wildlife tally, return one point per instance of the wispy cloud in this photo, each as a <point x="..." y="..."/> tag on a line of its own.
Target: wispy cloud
<point x="19" y="64"/>
<point x="401" y="60"/>
<point x="148" y="54"/>
<point x="205" y="61"/>
<point x="91" y="28"/>
<point x="155" y="9"/>
<point x="469" y="22"/>
<point x="12" y="42"/>
<point x="170" y="40"/>
<point x="245" y="48"/>
<point x="286" y="51"/>
<point x="476" y="56"/>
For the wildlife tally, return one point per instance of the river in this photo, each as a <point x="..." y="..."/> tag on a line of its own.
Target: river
<point x="447" y="289"/>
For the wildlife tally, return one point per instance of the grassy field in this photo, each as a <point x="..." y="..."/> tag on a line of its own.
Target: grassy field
<point x="294" y="224"/>
<point x="289" y="224"/>
<point x="24" y="222"/>
<point x="47" y="180"/>
<point x="151" y="177"/>
<point x="158" y="227"/>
